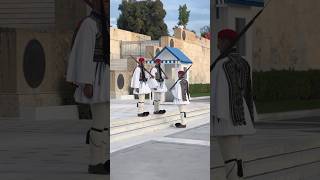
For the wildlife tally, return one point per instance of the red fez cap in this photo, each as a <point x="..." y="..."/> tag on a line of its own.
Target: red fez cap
<point x="181" y="73"/>
<point x="141" y="59"/>
<point x="158" y="61"/>
<point x="227" y="34"/>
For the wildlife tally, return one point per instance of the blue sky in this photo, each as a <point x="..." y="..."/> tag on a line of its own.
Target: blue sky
<point x="199" y="16"/>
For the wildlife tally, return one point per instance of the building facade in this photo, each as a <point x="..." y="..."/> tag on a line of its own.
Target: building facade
<point x="281" y="38"/>
<point x="287" y="38"/>
<point x="125" y="44"/>
<point x="35" y="40"/>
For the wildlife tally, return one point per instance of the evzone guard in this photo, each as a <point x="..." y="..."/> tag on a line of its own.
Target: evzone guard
<point x="181" y="94"/>
<point x="88" y="69"/>
<point x="233" y="108"/>
<point x="139" y="83"/>
<point x="159" y="87"/>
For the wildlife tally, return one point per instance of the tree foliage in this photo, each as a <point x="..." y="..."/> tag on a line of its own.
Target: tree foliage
<point x="145" y="17"/>
<point x="184" y="15"/>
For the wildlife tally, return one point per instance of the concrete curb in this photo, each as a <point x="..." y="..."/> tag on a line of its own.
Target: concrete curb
<point x="288" y="115"/>
<point x="199" y="98"/>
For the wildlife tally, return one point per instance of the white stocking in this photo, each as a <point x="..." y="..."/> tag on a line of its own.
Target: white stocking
<point x="98" y="136"/>
<point x="230" y="148"/>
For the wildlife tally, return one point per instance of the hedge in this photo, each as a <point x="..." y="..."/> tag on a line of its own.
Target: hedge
<point x="278" y="85"/>
<point x="199" y="88"/>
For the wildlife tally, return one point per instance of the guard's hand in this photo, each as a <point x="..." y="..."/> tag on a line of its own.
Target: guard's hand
<point x="88" y="90"/>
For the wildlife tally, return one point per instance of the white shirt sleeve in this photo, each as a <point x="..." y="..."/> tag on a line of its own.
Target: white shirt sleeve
<point x="153" y="72"/>
<point x="135" y="83"/>
<point x="176" y="91"/>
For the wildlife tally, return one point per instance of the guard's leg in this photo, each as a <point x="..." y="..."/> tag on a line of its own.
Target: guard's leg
<point x="98" y="139"/>
<point x="183" y="116"/>
<point x="156" y="103"/>
<point x="140" y="105"/>
<point x="230" y="148"/>
<point x="106" y="147"/>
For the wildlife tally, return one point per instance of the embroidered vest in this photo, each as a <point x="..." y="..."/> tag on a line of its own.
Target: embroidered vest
<point x="159" y="74"/>
<point x="239" y="80"/>
<point x="184" y="89"/>
<point x="142" y="74"/>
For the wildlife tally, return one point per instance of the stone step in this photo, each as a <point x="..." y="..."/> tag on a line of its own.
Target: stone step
<point x="122" y="129"/>
<point x="67" y="112"/>
<point x="291" y="164"/>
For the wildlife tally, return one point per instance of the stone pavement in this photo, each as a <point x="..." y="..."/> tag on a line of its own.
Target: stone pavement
<point x="170" y="154"/>
<point x="288" y="150"/>
<point x="166" y="154"/>
<point x="127" y="109"/>
<point x="125" y="123"/>
<point x="55" y="149"/>
<point x="51" y="150"/>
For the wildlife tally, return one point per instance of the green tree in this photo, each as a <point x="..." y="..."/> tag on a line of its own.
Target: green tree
<point x="184" y="15"/>
<point x="145" y="17"/>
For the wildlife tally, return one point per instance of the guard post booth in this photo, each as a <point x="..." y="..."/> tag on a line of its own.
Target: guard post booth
<point x="173" y="60"/>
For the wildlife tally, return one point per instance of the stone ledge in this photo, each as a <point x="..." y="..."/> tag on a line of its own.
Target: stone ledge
<point x="289" y="115"/>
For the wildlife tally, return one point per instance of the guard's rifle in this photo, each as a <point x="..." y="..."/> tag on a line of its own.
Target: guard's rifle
<point x="153" y="59"/>
<point x="179" y="79"/>
<point x="142" y="66"/>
